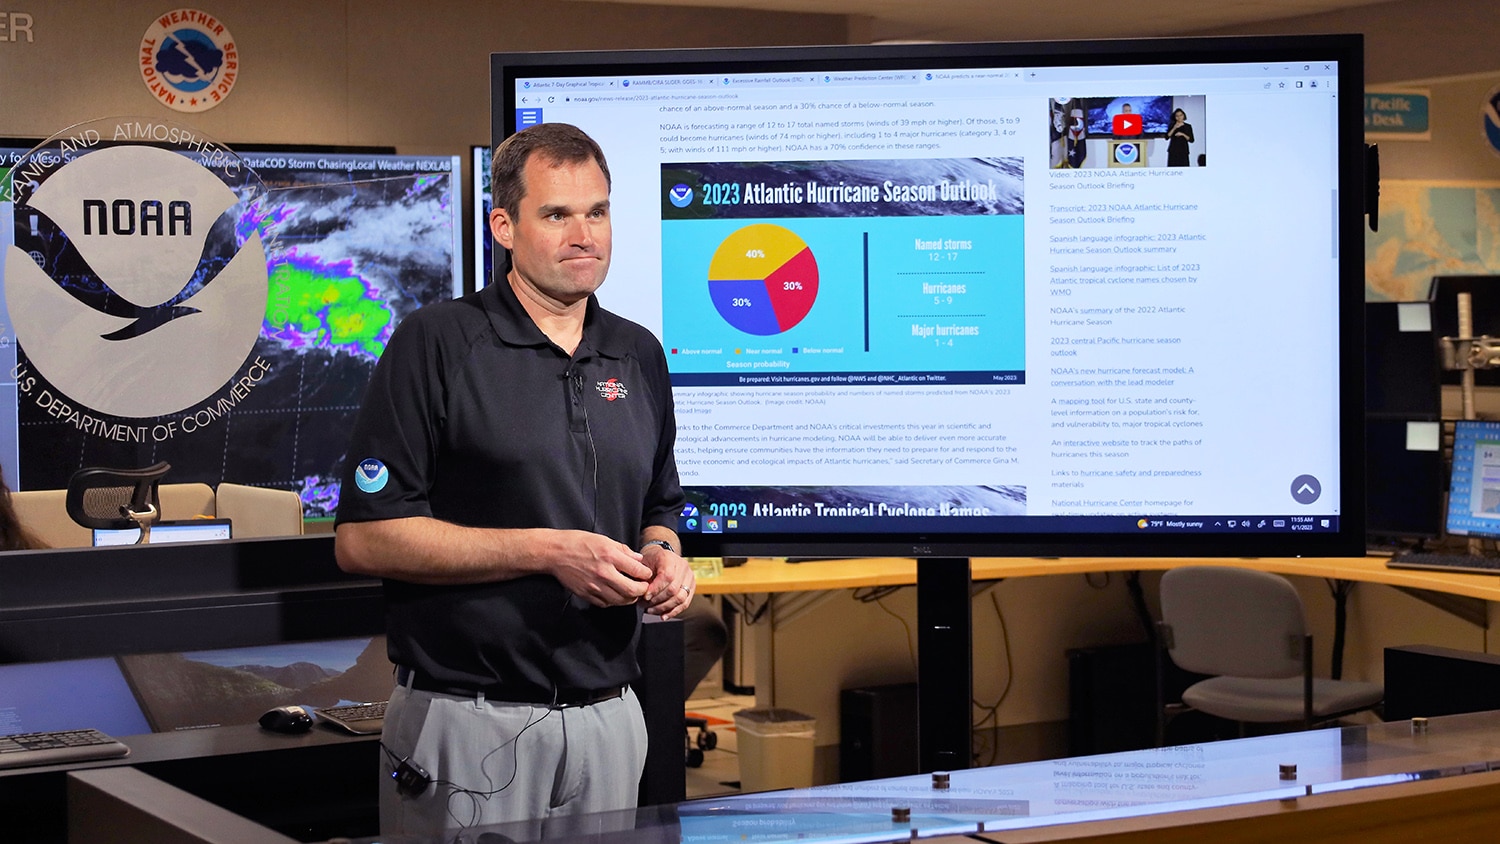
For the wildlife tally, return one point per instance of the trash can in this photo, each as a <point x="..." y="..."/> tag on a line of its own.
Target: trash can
<point x="775" y="747"/>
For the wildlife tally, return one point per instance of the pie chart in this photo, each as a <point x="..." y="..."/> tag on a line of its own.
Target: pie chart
<point x="763" y="279"/>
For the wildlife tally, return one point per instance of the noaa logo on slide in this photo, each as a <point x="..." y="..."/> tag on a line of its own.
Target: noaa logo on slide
<point x="188" y="60"/>
<point x="371" y="475"/>
<point x="1127" y="153"/>
<point x="157" y="305"/>
<point x="680" y="195"/>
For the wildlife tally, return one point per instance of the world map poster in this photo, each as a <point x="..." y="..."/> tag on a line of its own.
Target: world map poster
<point x="1429" y="229"/>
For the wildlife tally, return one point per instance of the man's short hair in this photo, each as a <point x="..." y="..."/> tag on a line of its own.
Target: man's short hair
<point x="556" y="143"/>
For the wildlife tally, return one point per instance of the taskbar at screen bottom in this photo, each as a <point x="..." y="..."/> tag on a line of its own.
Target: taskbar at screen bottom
<point x="697" y="519"/>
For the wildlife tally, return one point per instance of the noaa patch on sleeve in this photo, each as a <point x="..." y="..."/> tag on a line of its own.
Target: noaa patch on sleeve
<point x="371" y="475"/>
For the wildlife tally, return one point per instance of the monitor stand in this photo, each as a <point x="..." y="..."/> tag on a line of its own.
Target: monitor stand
<point x="945" y="670"/>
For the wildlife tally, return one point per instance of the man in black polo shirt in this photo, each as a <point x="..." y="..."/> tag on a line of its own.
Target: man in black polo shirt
<point x="511" y="479"/>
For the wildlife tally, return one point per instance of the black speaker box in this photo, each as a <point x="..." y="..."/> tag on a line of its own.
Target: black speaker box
<point x="878" y="732"/>
<point x="1425" y="681"/>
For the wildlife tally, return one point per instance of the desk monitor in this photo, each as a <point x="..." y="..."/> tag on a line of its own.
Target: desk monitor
<point x="1402" y="364"/>
<point x="1405" y="476"/>
<point x="911" y="307"/>
<point x="183" y="691"/>
<point x="171" y="530"/>
<point x="1474" y="489"/>
<point x="71" y="694"/>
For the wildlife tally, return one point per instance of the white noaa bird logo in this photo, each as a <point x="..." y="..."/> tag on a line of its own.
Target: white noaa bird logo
<point x="160" y="305"/>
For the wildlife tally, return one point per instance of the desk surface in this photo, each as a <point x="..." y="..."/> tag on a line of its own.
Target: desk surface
<point x="775" y="575"/>
<point x="1388" y="775"/>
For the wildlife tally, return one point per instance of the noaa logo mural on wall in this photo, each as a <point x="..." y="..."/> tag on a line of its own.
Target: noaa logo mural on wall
<point x="137" y="279"/>
<point x="188" y="60"/>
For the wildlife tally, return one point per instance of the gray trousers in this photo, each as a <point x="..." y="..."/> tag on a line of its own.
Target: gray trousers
<point x="496" y="762"/>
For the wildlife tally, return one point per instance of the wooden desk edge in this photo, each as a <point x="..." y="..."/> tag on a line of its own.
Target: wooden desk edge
<point x="766" y="575"/>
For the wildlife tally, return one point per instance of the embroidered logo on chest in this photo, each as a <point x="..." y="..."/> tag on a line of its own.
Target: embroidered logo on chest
<point x="611" y="389"/>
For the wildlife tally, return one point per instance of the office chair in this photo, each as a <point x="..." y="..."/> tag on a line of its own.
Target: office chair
<point x="116" y="499"/>
<point x="259" y="511"/>
<point x="705" y="637"/>
<point x="1247" y="629"/>
<point x="695" y="746"/>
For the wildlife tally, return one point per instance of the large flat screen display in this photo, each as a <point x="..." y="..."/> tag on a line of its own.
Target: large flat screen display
<point x="362" y="238"/>
<point x="187" y="691"/>
<point x="482" y="254"/>
<point x="990" y="299"/>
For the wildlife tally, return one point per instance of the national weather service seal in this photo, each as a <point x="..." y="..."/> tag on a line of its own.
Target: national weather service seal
<point x="188" y="60"/>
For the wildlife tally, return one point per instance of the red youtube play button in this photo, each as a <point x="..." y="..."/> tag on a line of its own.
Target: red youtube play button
<point x="1127" y="124"/>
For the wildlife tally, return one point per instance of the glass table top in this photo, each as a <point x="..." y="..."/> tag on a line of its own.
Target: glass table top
<point x="1034" y="794"/>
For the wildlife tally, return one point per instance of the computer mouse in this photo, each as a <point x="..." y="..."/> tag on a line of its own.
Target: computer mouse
<point x="287" y="719"/>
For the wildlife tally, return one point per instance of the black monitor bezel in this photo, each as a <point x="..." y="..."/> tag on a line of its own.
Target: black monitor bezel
<point x="1349" y="538"/>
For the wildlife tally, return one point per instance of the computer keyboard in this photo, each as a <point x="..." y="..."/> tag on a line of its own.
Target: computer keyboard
<point x="1434" y="561"/>
<point x="357" y="718"/>
<point x="58" y="746"/>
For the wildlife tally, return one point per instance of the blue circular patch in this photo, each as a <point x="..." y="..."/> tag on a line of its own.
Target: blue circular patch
<point x="371" y="475"/>
<point x="680" y="195"/>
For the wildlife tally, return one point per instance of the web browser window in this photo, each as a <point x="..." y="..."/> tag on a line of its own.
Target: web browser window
<point x="1080" y="298"/>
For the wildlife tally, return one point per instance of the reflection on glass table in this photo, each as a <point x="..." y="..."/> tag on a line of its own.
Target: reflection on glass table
<point x="1036" y="794"/>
